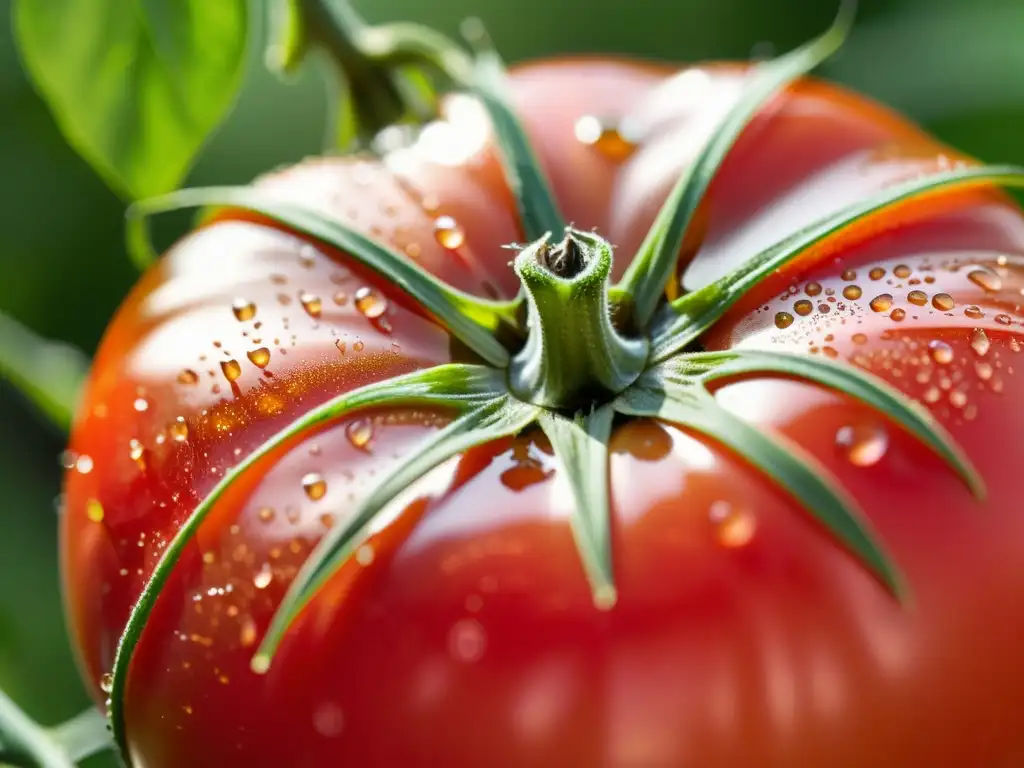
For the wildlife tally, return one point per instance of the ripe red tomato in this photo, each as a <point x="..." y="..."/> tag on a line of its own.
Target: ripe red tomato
<point x="464" y="633"/>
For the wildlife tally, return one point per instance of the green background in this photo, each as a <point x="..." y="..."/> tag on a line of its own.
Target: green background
<point x="954" y="65"/>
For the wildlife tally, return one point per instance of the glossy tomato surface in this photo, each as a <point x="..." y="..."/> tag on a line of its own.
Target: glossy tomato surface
<point x="464" y="633"/>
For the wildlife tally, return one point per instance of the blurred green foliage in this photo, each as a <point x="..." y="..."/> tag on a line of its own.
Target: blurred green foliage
<point x="956" y="66"/>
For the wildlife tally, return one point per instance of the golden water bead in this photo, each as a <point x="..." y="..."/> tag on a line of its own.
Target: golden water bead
<point x="243" y="310"/>
<point x="448" y="233"/>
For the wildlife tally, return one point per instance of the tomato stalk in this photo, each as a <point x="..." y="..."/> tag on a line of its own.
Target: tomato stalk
<point x="573" y="354"/>
<point x="379" y="93"/>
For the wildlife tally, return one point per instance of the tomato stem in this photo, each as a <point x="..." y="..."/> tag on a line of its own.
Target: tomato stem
<point x="379" y="93"/>
<point x="573" y="356"/>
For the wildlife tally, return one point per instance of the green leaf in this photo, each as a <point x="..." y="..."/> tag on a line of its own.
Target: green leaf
<point x="470" y="319"/>
<point x="847" y="379"/>
<point x="643" y="284"/>
<point x="136" y="86"/>
<point x="458" y="387"/>
<point x="48" y="373"/>
<point x="800" y="475"/>
<point x="489" y="421"/>
<point x="538" y="209"/>
<point x="689" y="316"/>
<point x="581" y="446"/>
<point x="22" y="739"/>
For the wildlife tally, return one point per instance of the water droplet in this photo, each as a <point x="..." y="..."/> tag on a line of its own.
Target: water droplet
<point x="863" y="445"/>
<point x="314" y="485"/>
<point x="141" y="404"/>
<point x="783" y="319"/>
<point x="958" y="398"/>
<point x="83" y="464"/>
<point x="984" y="370"/>
<point x="307" y="255"/>
<point x="244" y="310"/>
<point x="359" y="433"/>
<point x="898" y="314"/>
<point x="263" y="577"/>
<point x="881" y="303"/>
<point x="259" y="357"/>
<point x="358" y="346"/>
<point x="1003" y="319"/>
<point x="803" y="307"/>
<point x="877" y="273"/>
<point x="941" y="352"/>
<point x="985" y="279"/>
<point x="467" y="641"/>
<point x="232" y="370"/>
<point x="918" y="298"/>
<point x="734" y="526"/>
<point x="979" y="342"/>
<point x="852" y="292"/>
<point x="974" y="312"/>
<point x="849" y="274"/>
<point x="136" y="451"/>
<point x="266" y="514"/>
<point x="813" y="289"/>
<point x="605" y="137"/>
<point x="448" y="233"/>
<point x="901" y="271"/>
<point x="188" y="377"/>
<point x="312" y="304"/>
<point x="370" y="303"/>
<point x="365" y="555"/>
<point x="860" y="338"/>
<point x="943" y="302"/>
<point x="329" y="720"/>
<point x="340" y="298"/>
<point x="106" y="682"/>
<point x="94" y="511"/>
<point x="932" y="395"/>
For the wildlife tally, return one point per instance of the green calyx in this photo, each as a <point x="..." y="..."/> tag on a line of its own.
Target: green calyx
<point x="573" y="355"/>
<point x="557" y="358"/>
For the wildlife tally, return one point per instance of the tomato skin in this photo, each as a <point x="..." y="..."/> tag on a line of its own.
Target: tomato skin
<point x="465" y="635"/>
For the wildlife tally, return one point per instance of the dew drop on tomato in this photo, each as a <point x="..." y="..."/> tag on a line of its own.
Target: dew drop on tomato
<point x="312" y="304"/>
<point x="359" y="433"/>
<point x="877" y="273"/>
<point x="852" y="292"/>
<point x="979" y="342"/>
<point x="803" y="307"/>
<point x="783" y="320"/>
<point x="107" y="682"/>
<point x="918" y="298"/>
<point x="974" y="312"/>
<point x="448" y="233"/>
<point x="243" y="310"/>
<point x="864" y="445"/>
<point x="943" y="302"/>
<point x="984" y="370"/>
<point x="605" y="136"/>
<point x="467" y="641"/>
<point x="259" y="357"/>
<point x="329" y="720"/>
<point x="232" y="370"/>
<point x="881" y="303"/>
<point x="813" y="289"/>
<point x="985" y="279"/>
<point x="734" y="526"/>
<point x="941" y="352"/>
<point x="263" y="577"/>
<point x="188" y="377"/>
<point x="314" y="485"/>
